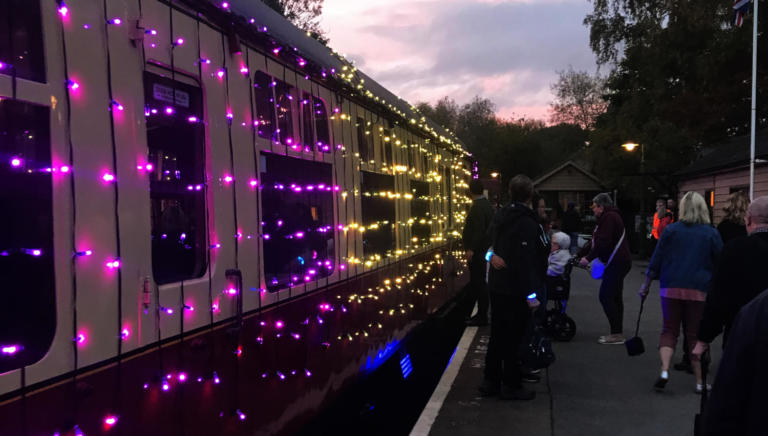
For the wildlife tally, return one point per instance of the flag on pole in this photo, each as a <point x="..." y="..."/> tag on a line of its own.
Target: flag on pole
<point x="741" y="8"/>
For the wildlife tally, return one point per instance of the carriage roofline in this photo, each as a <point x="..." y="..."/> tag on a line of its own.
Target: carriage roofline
<point x="252" y="19"/>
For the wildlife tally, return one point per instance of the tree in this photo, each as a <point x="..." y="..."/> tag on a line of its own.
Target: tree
<point x="305" y="14"/>
<point x="578" y="98"/>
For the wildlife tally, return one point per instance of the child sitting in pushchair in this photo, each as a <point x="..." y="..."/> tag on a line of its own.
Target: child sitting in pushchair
<point x="559" y="325"/>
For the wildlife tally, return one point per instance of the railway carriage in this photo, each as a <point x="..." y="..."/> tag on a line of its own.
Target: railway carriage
<point x="212" y="223"/>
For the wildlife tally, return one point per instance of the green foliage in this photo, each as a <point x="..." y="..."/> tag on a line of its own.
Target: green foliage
<point x="508" y="146"/>
<point x="679" y="81"/>
<point x="305" y="14"/>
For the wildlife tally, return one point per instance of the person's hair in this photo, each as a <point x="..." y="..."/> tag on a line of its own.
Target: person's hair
<point x="758" y="210"/>
<point x="562" y="240"/>
<point x="738" y="202"/>
<point x="693" y="209"/>
<point x="603" y="200"/>
<point x="476" y="187"/>
<point x="521" y="189"/>
<point x="661" y="200"/>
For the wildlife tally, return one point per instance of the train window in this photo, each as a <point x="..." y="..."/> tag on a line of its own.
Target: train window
<point x="321" y="125"/>
<point x="21" y="45"/>
<point x="378" y="208"/>
<point x="265" y="108"/>
<point x="307" y="132"/>
<point x="284" y="108"/>
<point x="362" y="140"/>
<point x="421" y="225"/>
<point x="28" y="312"/>
<point x="176" y="142"/>
<point x="298" y="222"/>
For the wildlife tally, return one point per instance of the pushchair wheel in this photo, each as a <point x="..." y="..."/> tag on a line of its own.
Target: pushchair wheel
<point x="560" y="326"/>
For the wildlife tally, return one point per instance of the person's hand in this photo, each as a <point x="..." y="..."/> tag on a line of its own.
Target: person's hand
<point x="583" y="262"/>
<point x="643" y="291"/>
<point x="700" y="349"/>
<point x="533" y="303"/>
<point x="497" y="262"/>
<point x="469" y="254"/>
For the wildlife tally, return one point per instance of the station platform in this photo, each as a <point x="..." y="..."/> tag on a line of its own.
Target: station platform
<point x="591" y="389"/>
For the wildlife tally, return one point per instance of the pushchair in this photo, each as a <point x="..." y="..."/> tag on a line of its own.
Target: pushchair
<point x="558" y="324"/>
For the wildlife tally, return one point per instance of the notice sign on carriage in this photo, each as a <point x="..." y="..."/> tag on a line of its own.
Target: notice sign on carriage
<point x="170" y="95"/>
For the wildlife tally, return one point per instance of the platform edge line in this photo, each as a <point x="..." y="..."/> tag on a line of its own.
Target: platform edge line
<point x="432" y="409"/>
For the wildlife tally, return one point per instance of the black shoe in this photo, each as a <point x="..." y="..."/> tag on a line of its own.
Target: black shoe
<point x="489" y="388"/>
<point x="661" y="382"/>
<point x="683" y="366"/>
<point x="521" y="394"/>
<point x="530" y="378"/>
<point x="477" y="321"/>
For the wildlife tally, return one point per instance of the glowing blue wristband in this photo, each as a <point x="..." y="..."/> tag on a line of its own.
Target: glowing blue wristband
<point x="488" y="255"/>
<point x="532" y="296"/>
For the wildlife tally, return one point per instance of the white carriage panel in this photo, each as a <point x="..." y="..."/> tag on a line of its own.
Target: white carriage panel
<point x="10" y="381"/>
<point x="220" y="194"/>
<point x="169" y="302"/>
<point x="245" y="173"/>
<point x="38" y="93"/>
<point x="133" y="205"/>
<point x="185" y="54"/>
<point x="158" y="42"/>
<point x="59" y="358"/>
<point x="193" y="304"/>
<point x="95" y="198"/>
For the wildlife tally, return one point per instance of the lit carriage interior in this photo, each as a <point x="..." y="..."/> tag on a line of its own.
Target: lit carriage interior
<point x="211" y="222"/>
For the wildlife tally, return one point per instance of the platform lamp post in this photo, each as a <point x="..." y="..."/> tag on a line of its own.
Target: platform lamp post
<point x="630" y="147"/>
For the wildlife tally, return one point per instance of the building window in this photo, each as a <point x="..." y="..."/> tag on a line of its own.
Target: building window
<point x="284" y="108"/>
<point x="176" y="142"/>
<point x="323" y="140"/>
<point x="421" y="219"/>
<point x="28" y="312"/>
<point x="265" y="105"/>
<point x="378" y="210"/>
<point x="363" y="145"/>
<point x="21" y="40"/>
<point x="298" y="220"/>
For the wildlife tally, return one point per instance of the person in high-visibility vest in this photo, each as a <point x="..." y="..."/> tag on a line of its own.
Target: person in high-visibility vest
<point x="662" y="218"/>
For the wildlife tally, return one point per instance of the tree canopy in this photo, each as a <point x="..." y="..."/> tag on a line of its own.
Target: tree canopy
<point x="305" y="14"/>
<point x="578" y="98"/>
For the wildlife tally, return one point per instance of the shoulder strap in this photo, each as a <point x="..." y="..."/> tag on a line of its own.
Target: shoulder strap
<point x="617" y="247"/>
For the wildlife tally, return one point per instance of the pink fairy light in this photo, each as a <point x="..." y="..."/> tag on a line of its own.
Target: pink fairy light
<point x="179" y="41"/>
<point x="110" y="420"/>
<point x="16" y="162"/>
<point x="169" y="110"/>
<point x="254" y="183"/>
<point x="63" y="10"/>
<point x="240" y="415"/>
<point x="152" y="32"/>
<point x="113" y="264"/>
<point x="117" y="104"/>
<point x="108" y="177"/>
<point x="64" y="169"/>
<point x="73" y="85"/>
<point x="125" y="333"/>
<point x="192" y="119"/>
<point x="216" y="378"/>
<point x="224" y="5"/>
<point x="182" y="377"/>
<point x="116" y="21"/>
<point x="276" y="50"/>
<point x="10" y="349"/>
<point x="279" y="324"/>
<point x="230" y="291"/>
<point x="166" y="386"/>
<point x="230" y="115"/>
<point x="220" y="73"/>
<point x="228" y="179"/>
<point x="244" y="69"/>
<point x="80" y="338"/>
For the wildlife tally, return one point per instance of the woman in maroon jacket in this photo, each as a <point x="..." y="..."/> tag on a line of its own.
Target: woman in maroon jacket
<point x="610" y="233"/>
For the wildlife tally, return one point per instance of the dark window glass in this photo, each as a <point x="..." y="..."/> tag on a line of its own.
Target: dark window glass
<point x="362" y="140"/>
<point x="307" y="133"/>
<point x="28" y="312"/>
<point x="176" y="141"/>
<point x="420" y="226"/>
<point x="298" y="225"/>
<point x="265" y="105"/>
<point x="378" y="208"/>
<point x="323" y="141"/>
<point x="284" y="108"/>
<point x="21" y="40"/>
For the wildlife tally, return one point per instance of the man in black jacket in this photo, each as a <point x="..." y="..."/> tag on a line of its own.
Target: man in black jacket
<point x="519" y="265"/>
<point x="739" y="277"/>
<point x="476" y="242"/>
<point x="739" y="401"/>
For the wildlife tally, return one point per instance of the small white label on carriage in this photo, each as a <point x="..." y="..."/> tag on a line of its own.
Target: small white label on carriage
<point x="166" y="94"/>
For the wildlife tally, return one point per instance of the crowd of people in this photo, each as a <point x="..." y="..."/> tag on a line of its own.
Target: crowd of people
<point x="710" y="283"/>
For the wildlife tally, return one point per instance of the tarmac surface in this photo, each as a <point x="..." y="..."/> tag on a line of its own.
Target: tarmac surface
<point x="591" y="390"/>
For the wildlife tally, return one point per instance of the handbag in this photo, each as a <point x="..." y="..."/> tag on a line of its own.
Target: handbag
<point x="635" y="346"/>
<point x="537" y="352"/>
<point x="597" y="268"/>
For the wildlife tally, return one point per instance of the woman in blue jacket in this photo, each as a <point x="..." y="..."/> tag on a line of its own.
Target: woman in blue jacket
<point x="683" y="262"/>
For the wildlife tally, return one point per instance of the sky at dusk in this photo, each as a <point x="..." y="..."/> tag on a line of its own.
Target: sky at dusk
<point x="505" y="50"/>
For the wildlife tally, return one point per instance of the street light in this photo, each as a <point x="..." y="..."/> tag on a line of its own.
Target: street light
<point x="631" y="146"/>
<point x="494" y="174"/>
